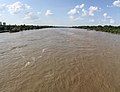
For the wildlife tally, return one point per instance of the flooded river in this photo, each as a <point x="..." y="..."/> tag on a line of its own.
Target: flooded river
<point x="59" y="60"/>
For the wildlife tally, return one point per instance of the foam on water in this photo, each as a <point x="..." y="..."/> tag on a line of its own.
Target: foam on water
<point x="28" y="63"/>
<point x="43" y="50"/>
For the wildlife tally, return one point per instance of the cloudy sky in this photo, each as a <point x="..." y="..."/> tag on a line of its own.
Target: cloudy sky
<point x="60" y="12"/>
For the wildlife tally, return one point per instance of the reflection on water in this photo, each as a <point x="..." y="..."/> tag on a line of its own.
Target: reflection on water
<point x="59" y="60"/>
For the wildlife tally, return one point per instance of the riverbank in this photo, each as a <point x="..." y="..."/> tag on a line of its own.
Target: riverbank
<point x="110" y="29"/>
<point x="17" y="28"/>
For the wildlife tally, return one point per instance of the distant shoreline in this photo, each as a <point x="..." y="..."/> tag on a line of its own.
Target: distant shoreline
<point x="18" y="28"/>
<point x="109" y="29"/>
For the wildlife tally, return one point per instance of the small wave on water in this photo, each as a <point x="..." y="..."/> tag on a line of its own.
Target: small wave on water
<point x="28" y="63"/>
<point x="43" y="50"/>
<point x="33" y="59"/>
<point x="13" y="48"/>
<point x="16" y="47"/>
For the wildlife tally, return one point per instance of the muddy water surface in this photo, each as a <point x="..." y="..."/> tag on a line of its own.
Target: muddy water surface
<point x="59" y="60"/>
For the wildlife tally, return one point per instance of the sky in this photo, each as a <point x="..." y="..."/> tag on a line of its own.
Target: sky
<point x="60" y="12"/>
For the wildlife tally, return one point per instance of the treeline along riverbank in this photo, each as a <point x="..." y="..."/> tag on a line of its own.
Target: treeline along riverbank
<point x="106" y="28"/>
<point x="17" y="28"/>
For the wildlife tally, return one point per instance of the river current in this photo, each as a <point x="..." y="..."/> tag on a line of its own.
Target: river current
<point x="59" y="60"/>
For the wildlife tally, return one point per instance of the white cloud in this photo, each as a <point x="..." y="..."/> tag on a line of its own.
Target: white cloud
<point x="76" y="9"/>
<point x="109" y="6"/>
<point x="105" y="15"/>
<point x="116" y="3"/>
<point x="82" y="5"/>
<point x="92" y="10"/>
<point x="79" y="12"/>
<point x="79" y="6"/>
<point x="17" y="7"/>
<point x="108" y="18"/>
<point x="24" y="11"/>
<point x="48" y="12"/>
<point x="73" y="11"/>
<point x="31" y="16"/>
<point x="84" y="12"/>
<point x="2" y="7"/>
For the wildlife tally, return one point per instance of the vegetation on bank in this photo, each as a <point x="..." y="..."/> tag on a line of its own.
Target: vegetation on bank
<point x="106" y="28"/>
<point x="17" y="28"/>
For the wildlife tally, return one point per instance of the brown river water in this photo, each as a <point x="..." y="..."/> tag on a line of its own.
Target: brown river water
<point x="59" y="60"/>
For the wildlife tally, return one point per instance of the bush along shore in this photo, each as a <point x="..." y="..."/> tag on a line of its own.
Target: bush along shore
<point x="17" y="28"/>
<point x="106" y="28"/>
